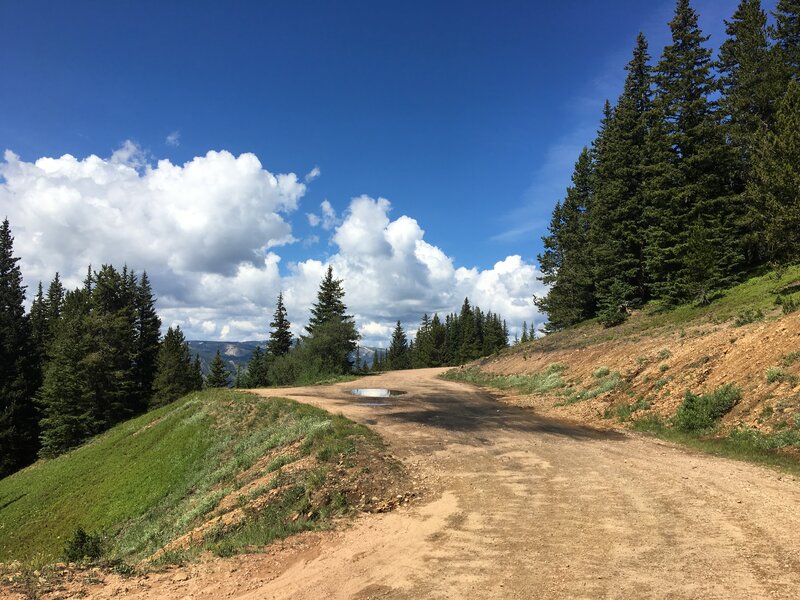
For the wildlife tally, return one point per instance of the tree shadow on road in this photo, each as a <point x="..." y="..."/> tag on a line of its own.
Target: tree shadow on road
<point x="479" y="412"/>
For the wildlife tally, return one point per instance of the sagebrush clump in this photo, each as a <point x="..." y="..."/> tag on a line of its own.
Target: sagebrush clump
<point x="701" y="413"/>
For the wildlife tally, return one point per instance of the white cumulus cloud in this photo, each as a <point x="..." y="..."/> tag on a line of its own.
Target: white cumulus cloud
<point x="210" y="231"/>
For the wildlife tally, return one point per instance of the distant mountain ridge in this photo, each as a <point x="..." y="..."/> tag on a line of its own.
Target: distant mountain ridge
<point x="238" y="353"/>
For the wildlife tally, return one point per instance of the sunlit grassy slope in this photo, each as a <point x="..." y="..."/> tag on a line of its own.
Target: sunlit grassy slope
<point x="153" y="478"/>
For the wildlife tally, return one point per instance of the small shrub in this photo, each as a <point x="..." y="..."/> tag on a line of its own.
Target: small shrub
<point x="789" y="359"/>
<point x="601" y="372"/>
<point x="700" y="413"/>
<point x="663" y="367"/>
<point x="789" y="304"/>
<point x="660" y="384"/>
<point x="612" y="316"/>
<point x="748" y="316"/>
<point x="664" y="354"/>
<point x="774" y="374"/>
<point x="83" y="546"/>
<point x="625" y="411"/>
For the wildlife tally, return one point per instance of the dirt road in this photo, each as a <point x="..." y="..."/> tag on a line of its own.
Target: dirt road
<point x="519" y="506"/>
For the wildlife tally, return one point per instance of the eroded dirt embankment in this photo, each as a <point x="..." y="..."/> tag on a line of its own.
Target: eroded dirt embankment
<point x="660" y="366"/>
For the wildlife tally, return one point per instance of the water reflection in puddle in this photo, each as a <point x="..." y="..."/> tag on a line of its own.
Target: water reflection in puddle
<point x="376" y="392"/>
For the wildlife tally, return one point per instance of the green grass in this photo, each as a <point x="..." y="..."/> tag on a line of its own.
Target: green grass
<point x="624" y="412"/>
<point x="152" y="478"/>
<point x="745" y="445"/>
<point x="539" y="383"/>
<point x="607" y="383"/>
<point x="756" y="294"/>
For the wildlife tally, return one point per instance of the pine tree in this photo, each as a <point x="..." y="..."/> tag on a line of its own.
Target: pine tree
<point x="775" y="186"/>
<point x="524" y="337"/>
<point x="398" y="355"/>
<point x="688" y="180"/>
<point x="616" y="217"/>
<point x="357" y="364"/>
<point x="18" y="418"/>
<point x="565" y="263"/>
<point x="39" y="329"/>
<point x="195" y="377"/>
<point x="54" y="303"/>
<point x="176" y="375"/>
<point x="280" y="337"/>
<point x="332" y="334"/>
<point x="787" y="37"/>
<point x="67" y="403"/>
<point x="218" y="376"/>
<point x="750" y="89"/>
<point x="110" y="362"/>
<point x="147" y="332"/>
<point x="423" y="349"/>
<point x="470" y="346"/>
<point x="258" y="369"/>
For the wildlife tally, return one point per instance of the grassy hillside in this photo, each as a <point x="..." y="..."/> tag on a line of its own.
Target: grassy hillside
<point x="267" y="467"/>
<point x="723" y="377"/>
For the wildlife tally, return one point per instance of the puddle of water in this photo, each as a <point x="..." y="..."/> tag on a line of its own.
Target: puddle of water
<point x="376" y="392"/>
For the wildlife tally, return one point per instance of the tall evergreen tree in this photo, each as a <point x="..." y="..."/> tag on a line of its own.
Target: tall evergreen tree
<point x="787" y="36"/>
<point x="280" y="336"/>
<point x="258" y="369"/>
<point x="67" y="403"/>
<point x="565" y="263"/>
<point x="775" y="186"/>
<point x="616" y="217"/>
<point x="176" y="374"/>
<point x="147" y="333"/>
<point x="689" y="183"/>
<point x="218" y="375"/>
<point x="750" y="89"/>
<point x="18" y="418"/>
<point x="332" y="334"/>
<point x="110" y="362"/>
<point x="398" y="356"/>
<point x="54" y="302"/>
<point x="39" y="329"/>
<point x="470" y="345"/>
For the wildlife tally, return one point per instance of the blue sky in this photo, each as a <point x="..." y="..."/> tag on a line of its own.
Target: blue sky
<point x="466" y="116"/>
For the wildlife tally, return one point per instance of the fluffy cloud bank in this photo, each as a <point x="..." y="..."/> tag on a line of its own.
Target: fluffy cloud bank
<point x="209" y="233"/>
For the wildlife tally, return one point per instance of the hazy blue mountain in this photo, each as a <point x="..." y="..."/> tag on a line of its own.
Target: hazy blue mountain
<point x="238" y="353"/>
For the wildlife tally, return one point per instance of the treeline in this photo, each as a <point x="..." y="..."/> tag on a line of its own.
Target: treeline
<point x="78" y="363"/>
<point x="322" y="353"/>
<point x="462" y="337"/>
<point x="694" y="177"/>
<point x="86" y="359"/>
<point x="330" y="347"/>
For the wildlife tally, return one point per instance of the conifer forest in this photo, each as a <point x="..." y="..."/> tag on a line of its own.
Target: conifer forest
<point x="693" y="180"/>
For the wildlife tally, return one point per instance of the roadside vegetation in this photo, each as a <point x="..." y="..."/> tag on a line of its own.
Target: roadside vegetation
<point x="261" y="468"/>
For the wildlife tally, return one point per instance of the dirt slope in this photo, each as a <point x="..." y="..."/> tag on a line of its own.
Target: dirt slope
<point x="661" y="365"/>
<point x="517" y="505"/>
